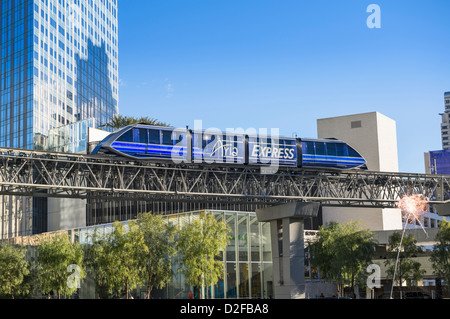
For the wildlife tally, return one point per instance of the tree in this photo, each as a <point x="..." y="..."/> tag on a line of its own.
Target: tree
<point x="441" y="252"/>
<point x="13" y="270"/>
<point x="342" y="252"/>
<point x="132" y="254"/>
<point x="156" y="259"/>
<point x="100" y="260"/>
<point x="125" y="245"/>
<point x="119" y="121"/>
<point x="200" y="243"/>
<point x="407" y="267"/>
<point x="54" y="256"/>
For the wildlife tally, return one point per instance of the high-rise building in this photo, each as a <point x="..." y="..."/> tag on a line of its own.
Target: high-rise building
<point x="58" y="66"/>
<point x="445" y="125"/>
<point x="438" y="161"/>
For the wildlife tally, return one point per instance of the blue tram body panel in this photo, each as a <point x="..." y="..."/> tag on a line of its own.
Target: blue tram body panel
<point x="144" y="142"/>
<point x="330" y="154"/>
<point x="217" y="147"/>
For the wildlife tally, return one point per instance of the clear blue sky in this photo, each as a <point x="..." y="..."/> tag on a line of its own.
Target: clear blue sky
<point x="286" y="63"/>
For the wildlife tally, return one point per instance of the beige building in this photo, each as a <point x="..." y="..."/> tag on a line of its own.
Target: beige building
<point x="374" y="136"/>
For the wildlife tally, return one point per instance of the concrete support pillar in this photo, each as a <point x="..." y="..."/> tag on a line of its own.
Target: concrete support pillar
<point x="443" y="209"/>
<point x="288" y="255"/>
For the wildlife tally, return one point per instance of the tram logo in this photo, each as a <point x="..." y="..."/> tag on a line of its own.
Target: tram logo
<point x="273" y="152"/>
<point x="222" y="149"/>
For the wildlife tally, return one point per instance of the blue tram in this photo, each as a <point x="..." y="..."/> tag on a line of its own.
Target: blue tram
<point x="146" y="142"/>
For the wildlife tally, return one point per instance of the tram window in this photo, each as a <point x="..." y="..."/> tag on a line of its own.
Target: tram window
<point x="167" y="138"/>
<point x="331" y="149"/>
<point x="340" y="148"/>
<point x="153" y="136"/>
<point x="208" y="140"/>
<point x="177" y="137"/>
<point x="230" y="140"/>
<point x="143" y="136"/>
<point x="320" y="148"/>
<point x="286" y="144"/>
<point x="140" y="136"/>
<point x="265" y="142"/>
<point x="308" y="148"/>
<point x="126" y="137"/>
<point x="352" y="152"/>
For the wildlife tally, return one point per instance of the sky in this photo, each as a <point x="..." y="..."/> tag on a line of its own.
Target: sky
<point x="284" y="64"/>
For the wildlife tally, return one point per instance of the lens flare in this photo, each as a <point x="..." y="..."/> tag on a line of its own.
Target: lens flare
<point x="414" y="206"/>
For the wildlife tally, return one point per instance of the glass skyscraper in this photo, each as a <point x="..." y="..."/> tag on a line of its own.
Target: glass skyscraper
<point x="58" y="66"/>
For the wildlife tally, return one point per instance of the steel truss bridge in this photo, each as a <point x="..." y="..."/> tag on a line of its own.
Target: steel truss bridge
<point x="61" y="175"/>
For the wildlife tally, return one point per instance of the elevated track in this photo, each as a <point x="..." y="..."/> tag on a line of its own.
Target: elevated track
<point x="61" y="175"/>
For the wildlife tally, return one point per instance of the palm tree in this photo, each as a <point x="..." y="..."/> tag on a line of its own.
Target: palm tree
<point x="119" y="121"/>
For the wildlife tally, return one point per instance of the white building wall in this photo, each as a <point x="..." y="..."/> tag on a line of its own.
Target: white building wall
<point x="66" y="213"/>
<point x="96" y="135"/>
<point x="387" y="143"/>
<point x="369" y="218"/>
<point x="374" y="135"/>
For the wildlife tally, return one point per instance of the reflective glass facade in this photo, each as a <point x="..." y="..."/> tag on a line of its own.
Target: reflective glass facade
<point x="440" y="162"/>
<point x="16" y="73"/>
<point x="71" y="138"/>
<point x="58" y="65"/>
<point x="248" y="271"/>
<point x="247" y="259"/>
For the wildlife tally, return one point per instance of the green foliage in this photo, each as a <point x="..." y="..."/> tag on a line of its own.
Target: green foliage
<point x="407" y="267"/>
<point x="99" y="258"/>
<point x="119" y="121"/>
<point x="127" y="242"/>
<point x="54" y="256"/>
<point x="441" y="252"/>
<point x="159" y="239"/>
<point x="200" y="243"/>
<point x="342" y="252"/>
<point x="13" y="271"/>
<point x="141" y="254"/>
<point x="114" y="258"/>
